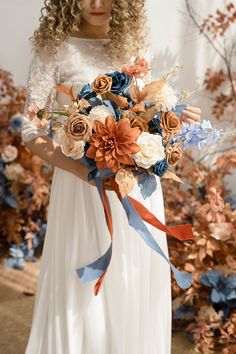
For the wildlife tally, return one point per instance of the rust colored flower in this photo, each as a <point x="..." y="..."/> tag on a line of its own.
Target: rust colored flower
<point x="173" y="153"/>
<point x="138" y="122"/>
<point x="170" y="123"/>
<point x="78" y="127"/>
<point x="113" y="143"/>
<point x="102" y="84"/>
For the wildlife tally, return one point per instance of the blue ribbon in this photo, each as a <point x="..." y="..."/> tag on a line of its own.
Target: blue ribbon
<point x="94" y="270"/>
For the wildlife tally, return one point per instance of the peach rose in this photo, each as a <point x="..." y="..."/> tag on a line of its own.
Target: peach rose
<point x="139" y="69"/>
<point x="125" y="180"/>
<point x="173" y="153"/>
<point x="139" y="122"/>
<point x="170" y="123"/>
<point x="102" y="84"/>
<point x="78" y="127"/>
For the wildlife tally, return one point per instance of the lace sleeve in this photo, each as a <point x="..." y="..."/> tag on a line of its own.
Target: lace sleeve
<point x="43" y="75"/>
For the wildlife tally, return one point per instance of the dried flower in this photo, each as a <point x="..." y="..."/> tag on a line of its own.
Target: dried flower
<point x="125" y="180"/>
<point x="10" y="153"/>
<point x="139" y="69"/>
<point x="13" y="171"/>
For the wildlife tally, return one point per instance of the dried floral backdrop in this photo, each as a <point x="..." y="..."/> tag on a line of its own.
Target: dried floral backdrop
<point x="208" y="309"/>
<point x="24" y="182"/>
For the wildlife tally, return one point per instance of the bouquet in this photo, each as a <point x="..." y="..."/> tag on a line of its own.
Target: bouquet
<point x="124" y="129"/>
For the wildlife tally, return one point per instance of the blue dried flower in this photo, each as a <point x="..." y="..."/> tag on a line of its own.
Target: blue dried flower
<point x="16" y="259"/>
<point x="15" y="124"/>
<point x="223" y="288"/>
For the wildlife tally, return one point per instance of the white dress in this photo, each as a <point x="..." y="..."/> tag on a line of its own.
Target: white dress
<point x="132" y="312"/>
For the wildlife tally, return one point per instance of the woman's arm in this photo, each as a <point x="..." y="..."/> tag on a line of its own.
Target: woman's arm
<point x="50" y="151"/>
<point x="44" y="74"/>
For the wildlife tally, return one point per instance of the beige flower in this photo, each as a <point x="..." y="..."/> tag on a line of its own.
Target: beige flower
<point x="10" y="153"/>
<point x="71" y="148"/>
<point x="13" y="171"/>
<point x="125" y="180"/>
<point x="173" y="154"/>
<point x="170" y="123"/>
<point x="78" y="127"/>
<point x="102" y="84"/>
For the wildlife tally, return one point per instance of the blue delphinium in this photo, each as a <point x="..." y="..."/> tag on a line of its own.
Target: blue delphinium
<point x="223" y="288"/>
<point x="197" y="134"/>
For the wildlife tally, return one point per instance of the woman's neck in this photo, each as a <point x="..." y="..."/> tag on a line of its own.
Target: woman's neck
<point x="87" y="30"/>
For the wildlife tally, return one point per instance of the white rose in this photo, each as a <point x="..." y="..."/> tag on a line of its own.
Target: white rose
<point x="71" y="148"/>
<point x="10" y="153"/>
<point x="151" y="151"/>
<point x="13" y="171"/>
<point x="100" y="113"/>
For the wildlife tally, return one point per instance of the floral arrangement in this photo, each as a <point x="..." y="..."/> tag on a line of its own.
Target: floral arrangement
<point x="24" y="183"/>
<point x="207" y="309"/>
<point x="124" y="129"/>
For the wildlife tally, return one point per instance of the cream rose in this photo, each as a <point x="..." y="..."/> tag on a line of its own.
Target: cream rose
<point x="71" y="148"/>
<point x="151" y="151"/>
<point x="10" y="153"/>
<point x="13" y="171"/>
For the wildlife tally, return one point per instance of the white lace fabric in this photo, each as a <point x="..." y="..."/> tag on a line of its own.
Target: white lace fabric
<point x="77" y="62"/>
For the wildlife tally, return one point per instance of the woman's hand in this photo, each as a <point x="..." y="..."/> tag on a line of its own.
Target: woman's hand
<point x="191" y="115"/>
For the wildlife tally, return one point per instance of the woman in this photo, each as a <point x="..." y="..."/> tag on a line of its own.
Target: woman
<point x="76" y="41"/>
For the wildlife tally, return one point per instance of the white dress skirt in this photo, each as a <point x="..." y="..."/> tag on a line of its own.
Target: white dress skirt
<point x="132" y="312"/>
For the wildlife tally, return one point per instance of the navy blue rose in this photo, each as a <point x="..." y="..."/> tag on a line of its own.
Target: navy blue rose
<point x="154" y="126"/>
<point x="87" y="92"/>
<point x="120" y="81"/>
<point x="160" y="167"/>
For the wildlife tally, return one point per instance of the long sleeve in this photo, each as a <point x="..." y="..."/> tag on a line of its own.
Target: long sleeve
<point x="43" y="75"/>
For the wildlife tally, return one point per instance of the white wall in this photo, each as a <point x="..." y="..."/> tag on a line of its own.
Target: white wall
<point x="18" y="18"/>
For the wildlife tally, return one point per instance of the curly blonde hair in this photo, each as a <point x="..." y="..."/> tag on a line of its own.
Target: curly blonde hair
<point x="127" y="33"/>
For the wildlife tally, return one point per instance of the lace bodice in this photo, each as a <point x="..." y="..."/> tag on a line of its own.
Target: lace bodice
<point x="77" y="62"/>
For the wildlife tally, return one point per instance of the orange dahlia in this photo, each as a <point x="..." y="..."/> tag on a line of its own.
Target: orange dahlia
<point x="113" y="143"/>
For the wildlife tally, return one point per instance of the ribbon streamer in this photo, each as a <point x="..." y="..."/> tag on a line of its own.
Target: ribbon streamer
<point x="136" y="213"/>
